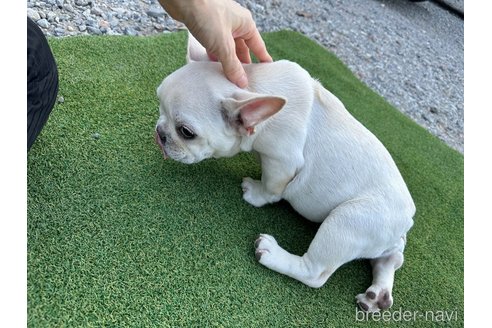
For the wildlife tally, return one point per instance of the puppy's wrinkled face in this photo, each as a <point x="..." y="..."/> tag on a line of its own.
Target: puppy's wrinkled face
<point x="202" y="114"/>
<point x="192" y="125"/>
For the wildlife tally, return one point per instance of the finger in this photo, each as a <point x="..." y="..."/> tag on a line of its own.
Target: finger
<point x="242" y="51"/>
<point x="211" y="56"/>
<point x="231" y="65"/>
<point x="234" y="71"/>
<point x="257" y="46"/>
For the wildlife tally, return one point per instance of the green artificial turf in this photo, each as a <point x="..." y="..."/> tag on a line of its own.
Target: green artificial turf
<point x="119" y="237"/>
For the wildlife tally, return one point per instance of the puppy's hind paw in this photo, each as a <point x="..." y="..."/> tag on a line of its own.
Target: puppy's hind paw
<point x="375" y="299"/>
<point x="269" y="253"/>
<point x="263" y="245"/>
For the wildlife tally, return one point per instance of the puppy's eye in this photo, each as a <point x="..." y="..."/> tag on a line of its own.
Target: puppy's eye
<point x="186" y="132"/>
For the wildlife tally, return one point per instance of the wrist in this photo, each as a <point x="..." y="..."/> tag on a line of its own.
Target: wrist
<point x="183" y="10"/>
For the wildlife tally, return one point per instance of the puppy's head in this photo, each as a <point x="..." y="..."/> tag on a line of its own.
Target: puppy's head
<point x="203" y="115"/>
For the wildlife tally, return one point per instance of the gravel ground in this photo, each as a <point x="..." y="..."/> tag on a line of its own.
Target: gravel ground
<point x="409" y="52"/>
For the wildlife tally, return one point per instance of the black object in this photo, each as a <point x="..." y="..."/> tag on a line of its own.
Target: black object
<point x="42" y="81"/>
<point x="446" y="6"/>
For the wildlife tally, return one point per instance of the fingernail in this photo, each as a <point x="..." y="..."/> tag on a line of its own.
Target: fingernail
<point x="243" y="81"/>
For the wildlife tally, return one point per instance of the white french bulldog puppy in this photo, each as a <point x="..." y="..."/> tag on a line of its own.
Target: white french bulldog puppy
<point x="313" y="154"/>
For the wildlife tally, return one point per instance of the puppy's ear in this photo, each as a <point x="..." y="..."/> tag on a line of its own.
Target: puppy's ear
<point x="196" y="52"/>
<point x="244" y="115"/>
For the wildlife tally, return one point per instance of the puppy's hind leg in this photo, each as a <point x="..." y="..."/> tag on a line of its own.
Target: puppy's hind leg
<point x="341" y="238"/>
<point x="378" y="296"/>
<point x="303" y="268"/>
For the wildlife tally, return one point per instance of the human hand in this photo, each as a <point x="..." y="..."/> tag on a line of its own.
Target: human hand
<point x="225" y="29"/>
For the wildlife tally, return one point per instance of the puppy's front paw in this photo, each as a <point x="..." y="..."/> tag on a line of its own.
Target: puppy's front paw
<point x="253" y="192"/>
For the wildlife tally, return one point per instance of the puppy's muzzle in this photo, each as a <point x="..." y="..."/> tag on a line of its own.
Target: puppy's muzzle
<point x="160" y="139"/>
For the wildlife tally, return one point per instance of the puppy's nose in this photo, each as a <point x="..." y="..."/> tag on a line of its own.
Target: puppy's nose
<point x="161" y="136"/>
